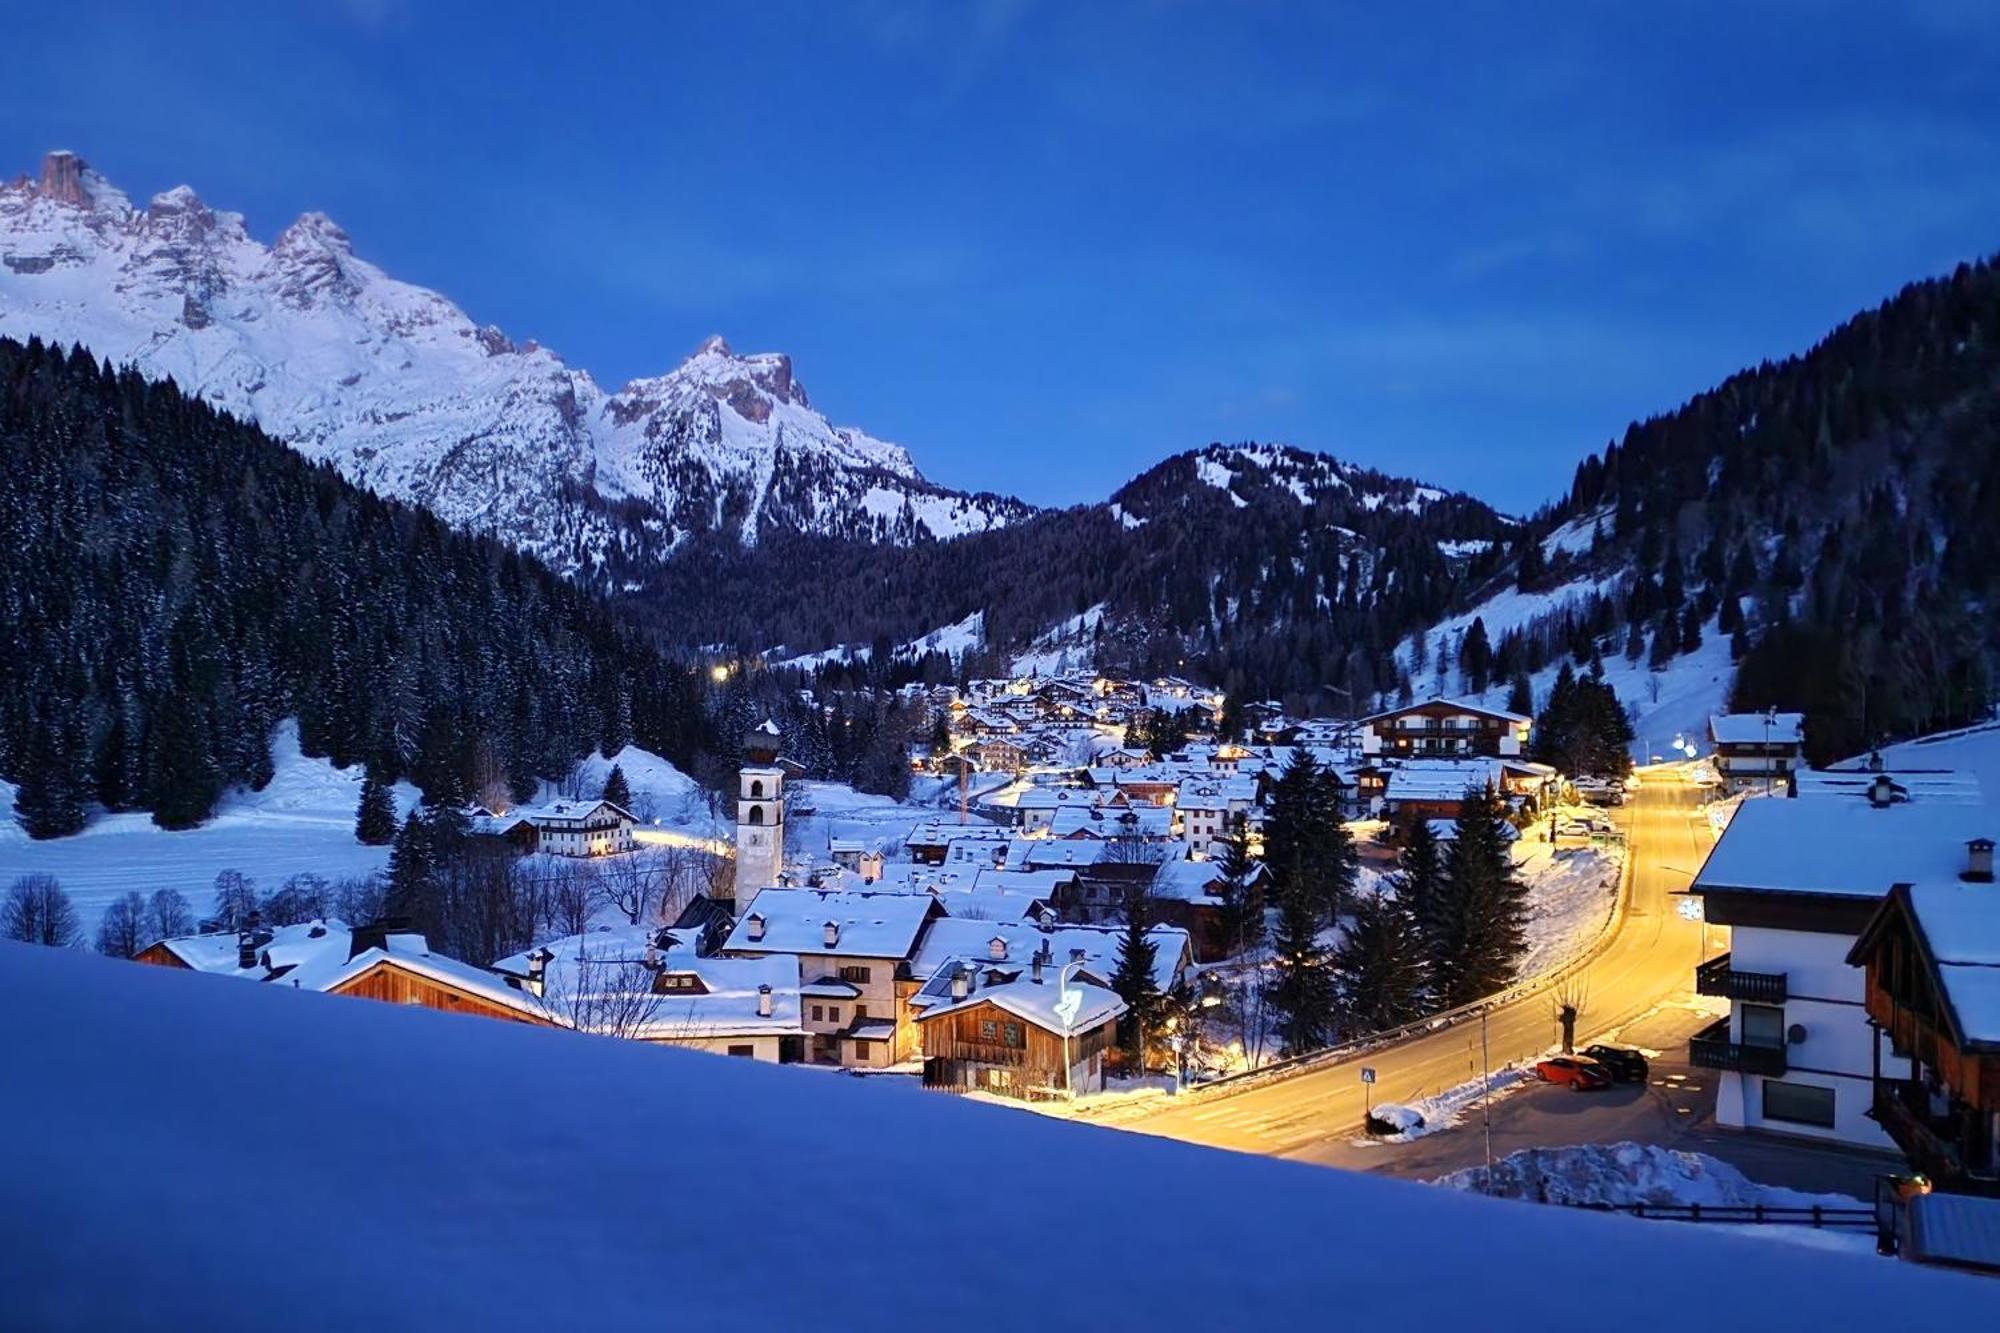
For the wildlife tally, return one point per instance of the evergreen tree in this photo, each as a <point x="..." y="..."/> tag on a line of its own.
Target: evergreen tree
<point x="1378" y="969"/>
<point x="1521" y="696"/>
<point x="1132" y="978"/>
<point x="1475" y="657"/>
<point x="49" y="803"/>
<point x="1690" y="630"/>
<point x="375" y="816"/>
<point x="1306" y="846"/>
<point x="1241" y="892"/>
<point x="1484" y="911"/>
<point x="182" y="781"/>
<point x="412" y="871"/>
<point x="1301" y="991"/>
<point x="617" y="790"/>
<point x="1420" y="891"/>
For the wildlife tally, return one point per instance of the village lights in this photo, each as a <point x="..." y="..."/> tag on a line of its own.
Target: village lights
<point x="719" y="672"/>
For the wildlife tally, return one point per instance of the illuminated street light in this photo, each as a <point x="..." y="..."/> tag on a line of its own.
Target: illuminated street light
<point x="719" y="672"/>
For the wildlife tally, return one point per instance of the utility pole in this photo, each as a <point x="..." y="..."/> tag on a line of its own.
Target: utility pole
<point x="1486" y="1097"/>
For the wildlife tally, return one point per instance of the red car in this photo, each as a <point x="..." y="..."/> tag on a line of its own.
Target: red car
<point x="1580" y="1072"/>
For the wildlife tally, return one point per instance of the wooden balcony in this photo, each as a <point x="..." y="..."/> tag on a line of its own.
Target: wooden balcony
<point x="1717" y="977"/>
<point x="1711" y="1048"/>
<point x="1938" y="1146"/>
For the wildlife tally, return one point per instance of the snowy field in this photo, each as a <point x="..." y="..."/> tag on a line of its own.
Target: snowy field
<point x="302" y="821"/>
<point x="1571" y="891"/>
<point x="486" y="1196"/>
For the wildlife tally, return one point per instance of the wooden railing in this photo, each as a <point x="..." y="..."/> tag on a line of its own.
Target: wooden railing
<point x="1717" y="977"/>
<point x="1711" y="1048"/>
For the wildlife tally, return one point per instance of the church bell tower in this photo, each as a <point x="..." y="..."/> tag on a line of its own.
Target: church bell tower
<point x="760" y="814"/>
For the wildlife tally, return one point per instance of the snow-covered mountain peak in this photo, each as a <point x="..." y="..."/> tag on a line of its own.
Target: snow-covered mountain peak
<point x="405" y="393"/>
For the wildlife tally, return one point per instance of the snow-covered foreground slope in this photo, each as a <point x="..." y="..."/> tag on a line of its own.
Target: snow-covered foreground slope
<point x="401" y="391"/>
<point x="302" y="821"/>
<point x="416" y="1169"/>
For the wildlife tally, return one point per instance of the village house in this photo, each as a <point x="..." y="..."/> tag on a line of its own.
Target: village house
<point x="1757" y="750"/>
<point x="376" y="962"/>
<point x="1797" y="882"/>
<point x="1012" y="943"/>
<point x="653" y="986"/>
<point x="1032" y="1030"/>
<point x="853" y="952"/>
<point x="561" y="828"/>
<point x="1444" y="728"/>
<point x="1435" y="788"/>
<point x="1931" y="961"/>
<point x="935" y="844"/>
<point x="1144" y="822"/>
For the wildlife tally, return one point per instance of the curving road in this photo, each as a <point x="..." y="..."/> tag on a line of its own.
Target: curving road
<point x="1650" y="961"/>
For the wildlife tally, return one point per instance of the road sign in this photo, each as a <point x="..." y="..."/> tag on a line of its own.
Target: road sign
<point x="1367" y="1074"/>
<point x="1689" y="908"/>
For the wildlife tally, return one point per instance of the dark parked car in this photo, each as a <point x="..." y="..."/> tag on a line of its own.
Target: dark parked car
<point x="1626" y="1065"/>
<point x="1582" y="1075"/>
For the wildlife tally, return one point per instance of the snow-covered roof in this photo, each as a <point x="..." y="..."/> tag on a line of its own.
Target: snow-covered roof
<point x="1053" y="853"/>
<point x="1019" y="941"/>
<point x="564" y="812"/>
<point x="1961" y="925"/>
<point x="394" y="1106"/>
<point x="1013" y="988"/>
<point x="1144" y="821"/>
<point x="1844" y="848"/>
<point x="1214" y="792"/>
<point x="943" y="835"/>
<point x="1930" y="786"/>
<point x="1440" y="779"/>
<point x="1469" y="706"/>
<point x="865" y="925"/>
<point x="1190" y="881"/>
<point x="727" y="1007"/>
<point x="1751" y="728"/>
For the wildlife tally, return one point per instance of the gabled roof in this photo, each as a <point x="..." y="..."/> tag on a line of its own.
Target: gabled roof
<point x="1751" y="729"/>
<point x="972" y="941"/>
<point x="1456" y="705"/>
<point x="867" y="925"/>
<point x="1840" y="848"/>
<point x="727" y="1005"/>
<point x="1014" y="990"/>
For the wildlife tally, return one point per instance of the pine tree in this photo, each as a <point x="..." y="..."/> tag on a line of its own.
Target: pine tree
<point x="1484" y="912"/>
<point x="1242" y="895"/>
<point x="1475" y="656"/>
<point x="412" y="871"/>
<point x="1521" y="696"/>
<point x="183" y="783"/>
<point x="617" y="790"/>
<point x="1690" y="629"/>
<point x="1378" y="969"/>
<point x="1420" y="890"/>
<point x="49" y="803"/>
<point x="375" y="816"/>
<point x="1306" y="846"/>
<point x="1132" y="978"/>
<point x="1302" y="991"/>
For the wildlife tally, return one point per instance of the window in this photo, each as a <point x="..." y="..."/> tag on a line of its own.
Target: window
<point x="1763" y="1025"/>
<point x="744" y="1052"/>
<point x="988" y="1030"/>
<point x="860" y="1012"/>
<point x="858" y="975"/>
<point x="756" y="789"/>
<point x="1011" y="1036"/>
<point x="833" y="1013"/>
<point x="756" y="814"/>
<point x="1800" y="1103"/>
<point x="819" y="1013"/>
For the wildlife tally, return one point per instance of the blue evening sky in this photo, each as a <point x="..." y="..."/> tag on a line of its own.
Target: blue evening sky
<point x="1045" y="245"/>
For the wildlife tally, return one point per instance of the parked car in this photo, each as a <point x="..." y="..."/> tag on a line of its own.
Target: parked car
<point x="1626" y="1065"/>
<point x="1579" y="1072"/>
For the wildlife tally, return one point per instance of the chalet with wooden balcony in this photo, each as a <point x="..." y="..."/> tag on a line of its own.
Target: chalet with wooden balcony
<point x="1931" y="959"/>
<point x="1445" y="728"/>
<point x="1037" y="1029"/>
<point x="1796" y="882"/>
<point x="1757" y="750"/>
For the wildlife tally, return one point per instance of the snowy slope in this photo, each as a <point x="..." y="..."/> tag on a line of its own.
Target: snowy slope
<point x="414" y="1169"/>
<point x="303" y="820"/>
<point x="400" y="390"/>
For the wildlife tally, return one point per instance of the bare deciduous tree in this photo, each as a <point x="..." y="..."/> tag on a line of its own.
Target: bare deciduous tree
<point x="168" y="915"/>
<point x="569" y="895"/>
<point x="358" y="900"/>
<point x="1566" y="1006"/>
<point x="37" y="911"/>
<point x="122" y="931"/>
<point x="603" y="989"/>
<point x="235" y="899"/>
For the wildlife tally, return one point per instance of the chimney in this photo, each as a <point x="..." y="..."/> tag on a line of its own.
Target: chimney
<point x="832" y="933"/>
<point x="1035" y="969"/>
<point x="1882" y="791"/>
<point x="763" y="1002"/>
<point x="1978" y="861"/>
<point x="538" y="971"/>
<point x="996" y="949"/>
<point x="959" y="985"/>
<point x="1076" y="955"/>
<point x="755" y="926"/>
<point x="1874" y="761"/>
<point x="246" y="947"/>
